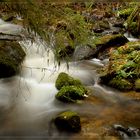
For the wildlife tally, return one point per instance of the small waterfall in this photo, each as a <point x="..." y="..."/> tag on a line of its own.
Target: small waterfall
<point x="130" y="37"/>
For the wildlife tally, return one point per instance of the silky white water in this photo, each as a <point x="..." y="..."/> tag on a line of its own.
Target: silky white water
<point x="29" y="97"/>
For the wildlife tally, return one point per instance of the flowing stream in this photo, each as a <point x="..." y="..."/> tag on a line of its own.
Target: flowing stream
<point x="28" y="104"/>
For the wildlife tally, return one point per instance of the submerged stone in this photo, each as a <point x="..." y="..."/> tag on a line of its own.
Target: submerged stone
<point x="71" y="93"/>
<point x="68" y="121"/>
<point x="11" y="56"/>
<point x="65" y="80"/>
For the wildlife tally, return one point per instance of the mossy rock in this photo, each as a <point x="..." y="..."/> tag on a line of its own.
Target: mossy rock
<point x="71" y="94"/>
<point x="11" y="56"/>
<point x="121" y="84"/>
<point x="102" y="43"/>
<point x="137" y="85"/>
<point x="123" y="69"/>
<point x="64" y="79"/>
<point x="109" y="40"/>
<point x="68" y="121"/>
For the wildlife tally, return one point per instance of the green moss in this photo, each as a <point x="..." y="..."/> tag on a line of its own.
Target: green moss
<point x="68" y="121"/>
<point x="64" y="79"/>
<point x="137" y="84"/>
<point x="71" y="93"/>
<point x="121" y="84"/>
<point x="11" y="56"/>
<point x="125" y="12"/>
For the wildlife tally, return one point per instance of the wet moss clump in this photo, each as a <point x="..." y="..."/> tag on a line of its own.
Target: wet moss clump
<point x="70" y="89"/>
<point x="65" y="80"/>
<point x="71" y="94"/>
<point x="123" y="70"/>
<point x="68" y="121"/>
<point x="11" y="56"/>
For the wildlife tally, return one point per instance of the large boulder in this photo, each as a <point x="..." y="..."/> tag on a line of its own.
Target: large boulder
<point x="71" y="93"/>
<point x="68" y="121"/>
<point x="100" y="44"/>
<point x="64" y="79"/>
<point x="11" y="56"/>
<point x="107" y="41"/>
<point x="123" y="70"/>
